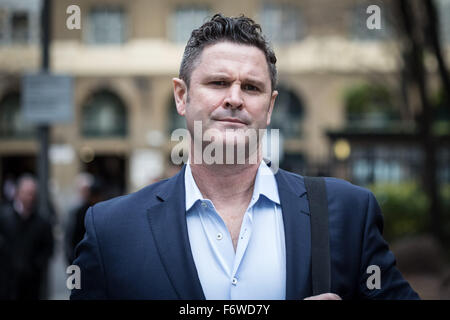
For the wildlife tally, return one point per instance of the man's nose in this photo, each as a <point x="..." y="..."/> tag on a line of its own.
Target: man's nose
<point x="234" y="99"/>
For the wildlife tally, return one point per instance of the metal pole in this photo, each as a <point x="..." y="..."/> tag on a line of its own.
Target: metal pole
<point x="45" y="23"/>
<point x="43" y="130"/>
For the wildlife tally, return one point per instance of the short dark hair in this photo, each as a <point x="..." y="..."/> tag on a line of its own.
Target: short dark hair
<point x="25" y="177"/>
<point x="242" y="30"/>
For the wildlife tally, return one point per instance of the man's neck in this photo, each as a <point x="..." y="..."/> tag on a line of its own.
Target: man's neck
<point x="226" y="183"/>
<point x="230" y="188"/>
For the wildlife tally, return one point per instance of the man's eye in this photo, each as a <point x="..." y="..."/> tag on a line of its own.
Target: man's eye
<point x="250" y="87"/>
<point x="219" y="83"/>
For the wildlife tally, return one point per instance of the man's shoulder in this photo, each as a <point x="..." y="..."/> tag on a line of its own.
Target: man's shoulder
<point x="346" y="201"/>
<point x="333" y="185"/>
<point x="345" y="188"/>
<point x="6" y="210"/>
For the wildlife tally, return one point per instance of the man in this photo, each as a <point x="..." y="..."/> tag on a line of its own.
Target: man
<point x="233" y="230"/>
<point x="26" y="246"/>
<point x="90" y="190"/>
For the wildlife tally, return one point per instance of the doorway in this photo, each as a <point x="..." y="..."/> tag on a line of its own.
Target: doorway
<point x="109" y="171"/>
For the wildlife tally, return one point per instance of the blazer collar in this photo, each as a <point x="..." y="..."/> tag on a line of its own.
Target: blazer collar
<point x="296" y="220"/>
<point x="169" y="229"/>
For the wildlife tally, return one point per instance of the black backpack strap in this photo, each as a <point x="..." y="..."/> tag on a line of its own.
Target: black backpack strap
<point x="320" y="242"/>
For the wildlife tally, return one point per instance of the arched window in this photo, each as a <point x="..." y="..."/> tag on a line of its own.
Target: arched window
<point x="12" y="124"/>
<point x="104" y="115"/>
<point x="287" y="113"/>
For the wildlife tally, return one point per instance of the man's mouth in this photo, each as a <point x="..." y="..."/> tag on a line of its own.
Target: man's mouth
<point x="232" y="120"/>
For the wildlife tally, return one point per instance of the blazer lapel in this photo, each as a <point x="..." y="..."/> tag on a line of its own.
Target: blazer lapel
<point x="168" y="223"/>
<point x="296" y="220"/>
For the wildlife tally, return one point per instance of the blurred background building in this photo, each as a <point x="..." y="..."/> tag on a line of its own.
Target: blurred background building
<point x="343" y="108"/>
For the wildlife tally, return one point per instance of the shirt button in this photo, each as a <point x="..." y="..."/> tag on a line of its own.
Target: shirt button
<point x="219" y="236"/>
<point x="234" y="281"/>
<point x="204" y="205"/>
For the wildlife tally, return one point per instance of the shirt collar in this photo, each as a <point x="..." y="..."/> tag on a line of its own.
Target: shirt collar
<point x="192" y="192"/>
<point x="265" y="184"/>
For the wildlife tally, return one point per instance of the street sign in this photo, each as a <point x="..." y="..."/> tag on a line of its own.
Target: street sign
<point x="47" y="98"/>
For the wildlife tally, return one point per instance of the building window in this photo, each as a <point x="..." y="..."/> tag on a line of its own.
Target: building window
<point x="4" y="25"/>
<point x="106" y="25"/>
<point x="282" y="23"/>
<point x="443" y="159"/>
<point x="104" y="115"/>
<point x="443" y="8"/>
<point x="186" y="19"/>
<point x="20" y="27"/>
<point x="385" y="164"/>
<point x="12" y="124"/>
<point x="19" y="21"/>
<point x="441" y="121"/>
<point x="359" y="30"/>
<point x="287" y="113"/>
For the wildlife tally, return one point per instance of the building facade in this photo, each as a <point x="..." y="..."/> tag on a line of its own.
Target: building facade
<point x="124" y="56"/>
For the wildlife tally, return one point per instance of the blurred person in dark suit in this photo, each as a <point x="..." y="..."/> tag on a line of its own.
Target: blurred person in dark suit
<point x="26" y="245"/>
<point x="90" y="190"/>
<point x="9" y="188"/>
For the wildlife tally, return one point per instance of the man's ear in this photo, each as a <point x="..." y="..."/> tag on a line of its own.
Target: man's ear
<point x="180" y="94"/>
<point x="271" y="105"/>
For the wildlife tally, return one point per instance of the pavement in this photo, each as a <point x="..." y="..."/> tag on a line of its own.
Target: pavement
<point x="57" y="276"/>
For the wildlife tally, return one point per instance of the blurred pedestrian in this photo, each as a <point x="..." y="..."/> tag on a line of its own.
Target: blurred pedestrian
<point x="90" y="192"/>
<point x="26" y="245"/>
<point x="9" y="188"/>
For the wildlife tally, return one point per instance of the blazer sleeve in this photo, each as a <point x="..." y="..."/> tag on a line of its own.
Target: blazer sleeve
<point x="89" y="260"/>
<point x="375" y="252"/>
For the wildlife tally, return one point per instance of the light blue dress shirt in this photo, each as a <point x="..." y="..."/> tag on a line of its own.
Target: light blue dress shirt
<point x="257" y="270"/>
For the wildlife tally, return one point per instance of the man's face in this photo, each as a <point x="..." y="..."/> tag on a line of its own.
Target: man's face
<point x="229" y="88"/>
<point x="26" y="195"/>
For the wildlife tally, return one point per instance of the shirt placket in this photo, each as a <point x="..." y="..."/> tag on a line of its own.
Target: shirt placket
<point x="218" y="236"/>
<point x="243" y="241"/>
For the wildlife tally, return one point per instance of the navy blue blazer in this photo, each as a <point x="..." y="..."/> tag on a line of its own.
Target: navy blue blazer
<point x="137" y="246"/>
